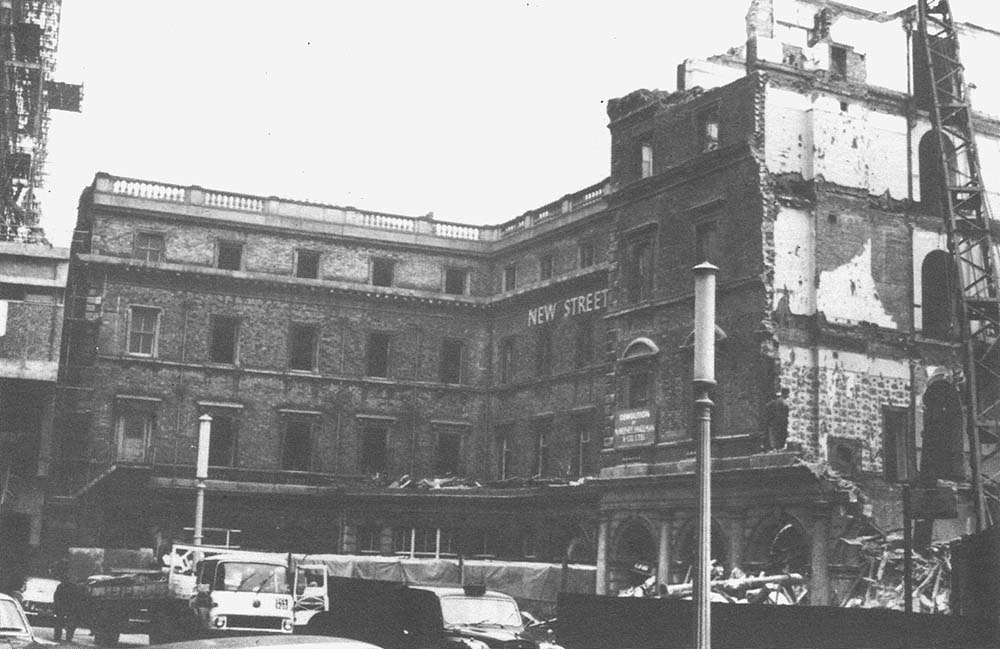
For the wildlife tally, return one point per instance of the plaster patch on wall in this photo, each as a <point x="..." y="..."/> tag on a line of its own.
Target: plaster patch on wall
<point x="794" y="262"/>
<point x="848" y="293"/>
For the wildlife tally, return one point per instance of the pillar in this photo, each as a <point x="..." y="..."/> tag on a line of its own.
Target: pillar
<point x="819" y="581"/>
<point x="601" y="587"/>
<point x="734" y="530"/>
<point x="665" y="550"/>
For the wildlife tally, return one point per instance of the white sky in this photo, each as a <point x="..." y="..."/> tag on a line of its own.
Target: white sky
<point x="475" y="110"/>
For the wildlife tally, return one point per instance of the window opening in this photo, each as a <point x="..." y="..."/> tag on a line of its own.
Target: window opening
<point x="451" y="361"/>
<point x="505" y="455"/>
<point x="135" y="431"/>
<point x="838" y="62"/>
<point x="382" y="271"/>
<point x="302" y="347"/>
<point x="449" y="446"/>
<point x="225" y="337"/>
<point x="507" y="360"/>
<point x="586" y="254"/>
<point x="542" y="428"/>
<point x="143" y="322"/>
<point x="647" y="160"/>
<point x="297" y="445"/>
<point x="373" y="448"/>
<point x="935" y="299"/>
<point x="543" y="351"/>
<point x="510" y="278"/>
<point x="222" y="441"/>
<point x="378" y="355"/>
<point x="709" y="129"/>
<point x="307" y="264"/>
<point x="897" y="449"/>
<point x="230" y="256"/>
<point x="545" y="267"/>
<point x="640" y="271"/>
<point x="148" y="246"/>
<point x="455" y="281"/>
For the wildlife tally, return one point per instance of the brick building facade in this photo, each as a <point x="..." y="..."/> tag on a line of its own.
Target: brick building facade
<point x="346" y="356"/>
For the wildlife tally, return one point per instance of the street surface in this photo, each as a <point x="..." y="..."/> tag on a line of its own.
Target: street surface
<point x="82" y="638"/>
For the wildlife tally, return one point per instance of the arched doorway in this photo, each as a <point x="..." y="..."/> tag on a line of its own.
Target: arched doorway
<point x="936" y="294"/>
<point x="634" y="555"/>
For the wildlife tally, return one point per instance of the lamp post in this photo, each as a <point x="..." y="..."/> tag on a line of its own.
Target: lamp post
<point x="201" y="474"/>
<point x="704" y="381"/>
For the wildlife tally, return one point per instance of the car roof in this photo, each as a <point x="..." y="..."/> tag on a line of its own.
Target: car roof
<point x="273" y="641"/>
<point x="449" y="591"/>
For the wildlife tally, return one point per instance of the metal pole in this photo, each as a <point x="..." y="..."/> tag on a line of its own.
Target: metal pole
<point x="907" y="550"/>
<point x="704" y="380"/>
<point x="201" y="474"/>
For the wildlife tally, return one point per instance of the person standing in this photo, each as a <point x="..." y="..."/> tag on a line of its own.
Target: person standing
<point x="67" y="603"/>
<point x="776" y="422"/>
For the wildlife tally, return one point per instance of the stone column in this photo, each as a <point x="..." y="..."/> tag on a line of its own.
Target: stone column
<point x="601" y="587"/>
<point x="734" y="530"/>
<point x="819" y="582"/>
<point x="666" y="551"/>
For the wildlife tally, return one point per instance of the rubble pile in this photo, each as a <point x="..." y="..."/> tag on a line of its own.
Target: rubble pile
<point x="880" y="578"/>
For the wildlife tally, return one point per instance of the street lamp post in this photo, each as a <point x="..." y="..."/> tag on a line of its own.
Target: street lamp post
<point x="201" y="474"/>
<point x="704" y="381"/>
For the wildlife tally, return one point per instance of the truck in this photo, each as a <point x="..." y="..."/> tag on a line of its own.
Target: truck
<point x="206" y="591"/>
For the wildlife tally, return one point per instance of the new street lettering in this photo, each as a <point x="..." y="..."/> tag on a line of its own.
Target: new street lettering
<point x="586" y="303"/>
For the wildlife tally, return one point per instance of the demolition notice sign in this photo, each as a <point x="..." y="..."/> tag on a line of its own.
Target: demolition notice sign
<point x="634" y="428"/>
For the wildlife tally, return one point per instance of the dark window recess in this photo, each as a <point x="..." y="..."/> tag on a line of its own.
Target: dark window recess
<point x="222" y="442"/>
<point x="933" y="179"/>
<point x="382" y="271"/>
<point x="230" y="256"/>
<point x="942" y="450"/>
<point x="584" y="341"/>
<point x="707" y="242"/>
<point x="296" y="451"/>
<point x="302" y="347"/>
<point x="708" y="129"/>
<point x="12" y="292"/>
<point x="586" y="255"/>
<point x="640" y="271"/>
<point x="581" y="461"/>
<point x="148" y="246"/>
<point x="510" y="278"/>
<point x="898" y="461"/>
<point x="542" y="429"/>
<point x="545" y="267"/>
<point x="935" y="302"/>
<point x="838" y="62"/>
<point x="377" y="355"/>
<point x="451" y="361"/>
<point x="543" y="352"/>
<point x="307" y="264"/>
<point x="369" y="539"/>
<point x="455" y="281"/>
<point x="225" y="336"/>
<point x="505" y="453"/>
<point x="449" y="449"/>
<point x="638" y="389"/>
<point x="373" y="449"/>
<point x="507" y="359"/>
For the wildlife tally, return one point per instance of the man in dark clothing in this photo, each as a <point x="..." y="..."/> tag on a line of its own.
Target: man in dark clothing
<point x="67" y="602"/>
<point x="776" y="422"/>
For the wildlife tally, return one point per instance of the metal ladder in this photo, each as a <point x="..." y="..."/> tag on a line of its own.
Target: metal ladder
<point x="966" y="213"/>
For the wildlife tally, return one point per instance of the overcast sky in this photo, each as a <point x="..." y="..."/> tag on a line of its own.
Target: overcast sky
<point x="475" y="110"/>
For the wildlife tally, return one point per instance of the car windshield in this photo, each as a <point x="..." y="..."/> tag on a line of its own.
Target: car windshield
<point x="480" y="610"/>
<point x="11" y="620"/>
<point x="251" y="577"/>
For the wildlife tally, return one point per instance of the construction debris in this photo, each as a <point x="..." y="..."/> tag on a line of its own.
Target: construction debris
<point x="879" y="583"/>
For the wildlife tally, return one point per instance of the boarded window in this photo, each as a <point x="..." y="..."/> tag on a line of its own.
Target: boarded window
<point x="303" y="339"/>
<point x="455" y="281"/>
<point x="225" y="338"/>
<point x="449" y="450"/>
<point x="377" y="355"/>
<point x="508" y="359"/>
<point x="543" y="351"/>
<point x="142" y="325"/>
<point x="230" y="256"/>
<point x="296" y="446"/>
<point x="148" y="246"/>
<point x="510" y="278"/>
<point x="372" y="458"/>
<point x="222" y="443"/>
<point x="451" y="361"/>
<point x="383" y="271"/>
<point x="307" y="264"/>
<point x="545" y="267"/>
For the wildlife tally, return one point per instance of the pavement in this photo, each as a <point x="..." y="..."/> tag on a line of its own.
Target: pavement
<point x="82" y="638"/>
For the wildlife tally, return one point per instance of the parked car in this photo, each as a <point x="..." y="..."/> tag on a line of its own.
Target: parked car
<point x="269" y="642"/>
<point x="15" y="631"/>
<point x="37" y="598"/>
<point x="487" y="616"/>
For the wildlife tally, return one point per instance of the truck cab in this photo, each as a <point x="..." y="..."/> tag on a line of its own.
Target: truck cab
<point x="242" y="593"/>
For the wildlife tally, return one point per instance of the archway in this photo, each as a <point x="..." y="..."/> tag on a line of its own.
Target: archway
<point x="779" y="545"/>
<point x="634" y="555"/>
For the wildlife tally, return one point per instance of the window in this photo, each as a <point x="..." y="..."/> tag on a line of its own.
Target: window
<point x="225" y="339"/>
<point x="222" y="442"/>
<point x="451" y="361"/>
<point x="639" y="270"/>
<point x="647" y="161"/>
<point x="148" y="246"/>
<point x="449" y="449"/>
<point x="373" y="448"/>
<point x="302" y="344"/>
<point x="638" y="395"/>
<point x="135" y="432"/>
<point x="580" y="463"/>
<point x="586" y="254"/>
<point x="296" y="445"/>
<point x="423" y="541"/>
<point x="510" y="278"/>
<point x="307" y="264"/>
<point x="838" y="62"/>
<point x="708" y="129"/>
<point x="897" y="461"/>
<point x="230" y="256"/>
<point x="584" y="340"/>
<point x="706" y="242"/>
<point x="935" y="293"/>
<point x="545" y="267"/>
<point x="369" y="539"/>
<point x="543" y="351"/>
<point x="542" y="428"/>
<point x="505" y="452"/>
<point x="143" y="323"/>
<point x="456" y="281"/>
<point x="382" y="271"/>
<point x="377" y="356"/>
<point x="507" y="359"/>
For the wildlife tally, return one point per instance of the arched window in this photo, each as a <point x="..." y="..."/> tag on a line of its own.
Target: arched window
<point x="779" y="545"/>
<point x="942" y="448"/>
<point x="935" y="298"/>
<point x="932" y="178"/>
